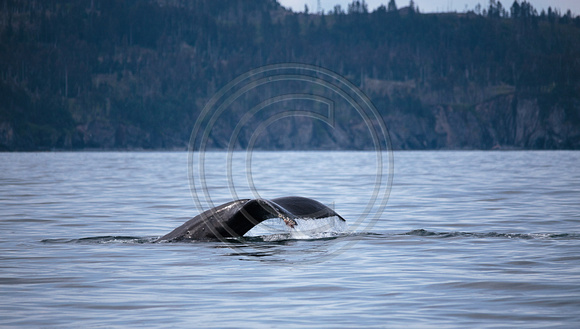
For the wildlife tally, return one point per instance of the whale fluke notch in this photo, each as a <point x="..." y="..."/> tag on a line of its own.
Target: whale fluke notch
<point x="236" y="218"/>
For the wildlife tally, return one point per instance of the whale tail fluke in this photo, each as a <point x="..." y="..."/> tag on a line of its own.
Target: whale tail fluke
<point x="236" y="218"/>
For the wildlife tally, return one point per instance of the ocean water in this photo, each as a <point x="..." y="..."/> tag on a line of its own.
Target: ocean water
<point x="479" y="239"/>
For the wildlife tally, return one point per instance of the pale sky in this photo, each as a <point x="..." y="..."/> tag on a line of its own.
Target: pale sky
<point x="428" y="6"/>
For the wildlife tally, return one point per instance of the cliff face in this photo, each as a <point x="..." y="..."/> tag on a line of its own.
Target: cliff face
<point x="505" y="122"/>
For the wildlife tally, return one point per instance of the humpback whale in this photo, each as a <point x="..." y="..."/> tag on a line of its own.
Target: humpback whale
<point x="236" y="218"/>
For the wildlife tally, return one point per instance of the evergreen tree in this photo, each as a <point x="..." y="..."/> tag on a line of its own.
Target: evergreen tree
<point x="392" y="6"/>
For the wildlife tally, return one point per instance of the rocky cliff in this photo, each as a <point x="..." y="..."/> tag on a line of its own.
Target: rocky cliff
<point x="505" y="122"/>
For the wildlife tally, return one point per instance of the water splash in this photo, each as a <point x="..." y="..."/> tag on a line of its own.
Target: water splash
<point x="318" y="228"/>
<point x="306" y="228"/>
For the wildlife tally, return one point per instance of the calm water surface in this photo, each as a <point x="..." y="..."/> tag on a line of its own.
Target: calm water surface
<point x="486" y="239"/>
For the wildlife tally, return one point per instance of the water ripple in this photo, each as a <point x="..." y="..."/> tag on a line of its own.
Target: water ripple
<point x="554" y="236"/>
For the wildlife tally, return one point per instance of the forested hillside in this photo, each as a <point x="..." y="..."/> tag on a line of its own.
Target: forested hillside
<point x="135" y="74"/>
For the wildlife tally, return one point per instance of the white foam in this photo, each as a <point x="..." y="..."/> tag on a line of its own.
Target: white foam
<point x="305" y="228"/>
